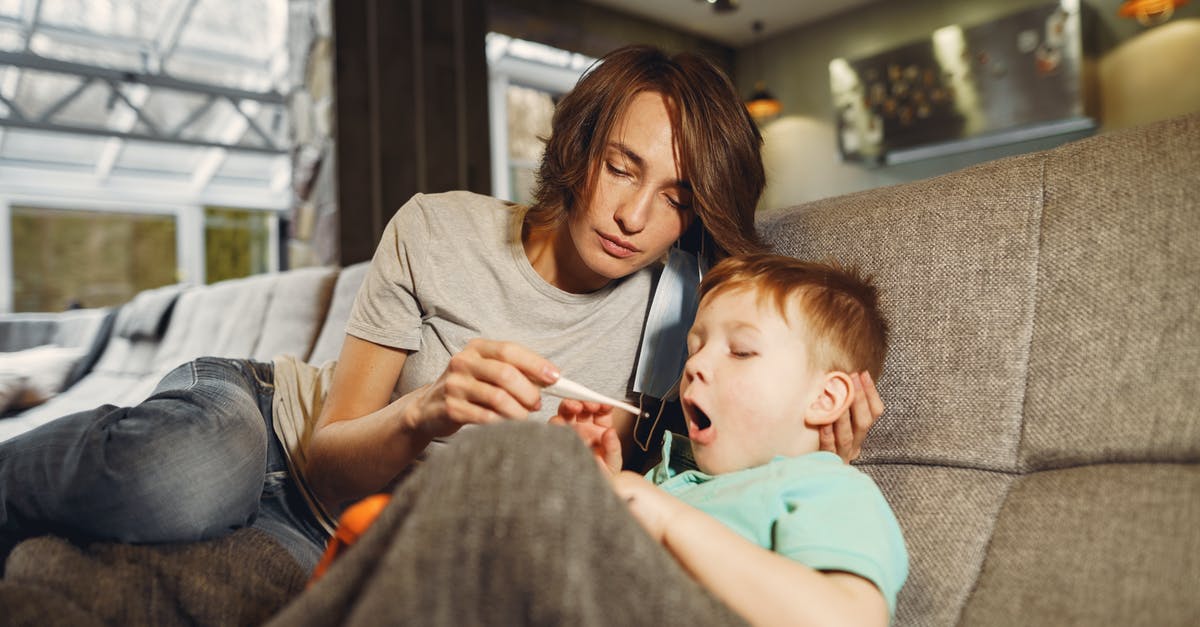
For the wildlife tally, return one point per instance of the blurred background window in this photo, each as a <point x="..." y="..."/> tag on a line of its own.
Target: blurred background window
<point x="71" y="258"/>
<point x="165" y="116"/>
<point x="526" y="79"/>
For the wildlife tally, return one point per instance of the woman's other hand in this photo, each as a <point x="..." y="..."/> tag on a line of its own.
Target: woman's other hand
<point x="846" y="435"/>
<point x="593" y="423"/>
<point x="488" y="381"/>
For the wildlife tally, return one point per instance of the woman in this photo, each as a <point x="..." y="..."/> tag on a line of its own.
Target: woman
<point x="645" y="146"/>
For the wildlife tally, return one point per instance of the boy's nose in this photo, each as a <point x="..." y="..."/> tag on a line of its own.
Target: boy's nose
<point x="693" y="369"/>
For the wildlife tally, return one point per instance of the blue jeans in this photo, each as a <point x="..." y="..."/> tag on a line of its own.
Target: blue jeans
<point x="196" y="460"/>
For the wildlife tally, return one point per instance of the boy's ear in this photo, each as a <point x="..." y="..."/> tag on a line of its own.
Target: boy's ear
<point x="833" y="399"/>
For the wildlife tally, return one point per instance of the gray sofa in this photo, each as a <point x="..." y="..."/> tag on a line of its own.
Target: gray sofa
<point x="299" y="312"/>
<point x="1042" y="432"/>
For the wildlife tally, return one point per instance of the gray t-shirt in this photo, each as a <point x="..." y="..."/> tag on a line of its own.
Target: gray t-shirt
<point x="451" y="267"/>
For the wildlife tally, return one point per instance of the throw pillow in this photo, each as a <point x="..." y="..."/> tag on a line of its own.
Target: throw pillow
<point x="45" y="369"/>
<point x="11" y="386"/>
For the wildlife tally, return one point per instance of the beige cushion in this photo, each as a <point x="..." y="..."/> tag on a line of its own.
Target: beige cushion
<point x="11" y="386"/>
<point x="146" y="316"/>
<point x="295" y="314"/>
<point x="43" y="371"/>
<point x="333" y="331"/>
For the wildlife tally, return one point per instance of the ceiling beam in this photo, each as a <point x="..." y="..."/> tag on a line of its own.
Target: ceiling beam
<point x="245" y="103"/>
<point x="30" y="61"/>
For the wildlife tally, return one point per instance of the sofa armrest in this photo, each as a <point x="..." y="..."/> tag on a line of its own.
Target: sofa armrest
<point x="19" y="331"/>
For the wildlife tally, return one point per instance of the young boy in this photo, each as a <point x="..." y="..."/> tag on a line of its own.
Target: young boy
<point x="780" y="531"/>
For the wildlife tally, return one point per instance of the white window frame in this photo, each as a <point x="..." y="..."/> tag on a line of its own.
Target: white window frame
<point x="37" y="192"/>
<point x="506" y="66"/>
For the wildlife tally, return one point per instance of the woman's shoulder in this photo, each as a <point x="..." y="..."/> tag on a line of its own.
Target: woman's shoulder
<point x="453" y="212"/>
<point x="458" y="203"/>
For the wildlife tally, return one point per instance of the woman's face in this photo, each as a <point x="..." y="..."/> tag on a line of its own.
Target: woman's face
<point x="639" y="204"/>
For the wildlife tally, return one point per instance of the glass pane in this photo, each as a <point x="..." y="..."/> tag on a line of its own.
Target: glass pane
<point x="255" y="28"/>
<point x="135" y="19"/>
<point x="236" y="243"/>
<point x="248" y="166"/>
<point x="529" y="114"/>
<point x="38" y="91"/>
<point x="156" y="158"/>
<point x="65" y="259"/>
<point x="11" y="39"/>
<point x="39" y="147"/>
<point x="521" y="183"/>
<point x="90" y="107"/>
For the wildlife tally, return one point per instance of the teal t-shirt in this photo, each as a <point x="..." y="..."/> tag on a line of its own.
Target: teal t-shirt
<point x="813" y="509"/>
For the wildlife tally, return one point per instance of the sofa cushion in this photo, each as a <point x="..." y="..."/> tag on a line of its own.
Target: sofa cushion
<point x="146" y="316"/>
<point x="954" y="258"/>
<point x="333" y="331"/>
<point x="220" y="320"/>
<point x="12" y="385"/>
<point x="238" y="335"/>
<point x="947" y="515"/>
<point x="294" y="317"/>
<point x="1094" y="545"/>
<point x="1116" y="333"/>
<point x="92" y="391"/>
<point x="43" y="371"/>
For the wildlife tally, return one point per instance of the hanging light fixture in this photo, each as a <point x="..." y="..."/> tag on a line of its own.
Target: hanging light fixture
<point x="762" y="104"/>
<point x="1149" y="12"/>
<point x="723" y="6"/>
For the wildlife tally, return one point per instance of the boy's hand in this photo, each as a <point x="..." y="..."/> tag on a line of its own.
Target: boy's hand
<point x="593" y="423"/>
<point x="845" y="436"/>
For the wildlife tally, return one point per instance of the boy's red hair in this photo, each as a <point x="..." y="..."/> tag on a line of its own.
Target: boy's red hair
<point x="838" y="306"/>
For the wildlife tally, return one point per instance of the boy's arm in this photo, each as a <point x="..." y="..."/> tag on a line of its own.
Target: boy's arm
<point x="764" y="587"/>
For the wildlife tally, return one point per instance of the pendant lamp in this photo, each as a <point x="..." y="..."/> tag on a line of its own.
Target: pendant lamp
<point x="1149" y="12"/>
<point x="762" y="104"/>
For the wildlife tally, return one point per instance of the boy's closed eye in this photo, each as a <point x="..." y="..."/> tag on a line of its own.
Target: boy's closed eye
<point x="742" y="353"/>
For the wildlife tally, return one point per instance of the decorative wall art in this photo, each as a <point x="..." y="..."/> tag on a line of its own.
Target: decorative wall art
<point x="1015" y="78"/>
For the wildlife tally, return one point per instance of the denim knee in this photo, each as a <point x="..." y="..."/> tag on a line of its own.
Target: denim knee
<point x="186" y="464"/>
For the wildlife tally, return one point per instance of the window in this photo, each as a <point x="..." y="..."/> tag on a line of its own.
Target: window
<point x="167" y="114"/>
<point x="237" y="243"/>
<point x="529" y="114"/>
<point x="69" y="258"/>
<point x="526" y="79"/>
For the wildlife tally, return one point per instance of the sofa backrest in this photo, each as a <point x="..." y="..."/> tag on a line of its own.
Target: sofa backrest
<point x="1042" y="432"/>
<point x="74" y="328"/>
<point x="333" y="331"/>
<point x="255" y="317"/>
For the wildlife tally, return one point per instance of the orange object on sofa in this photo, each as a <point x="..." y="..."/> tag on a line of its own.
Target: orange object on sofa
<point x="352" y="524"/>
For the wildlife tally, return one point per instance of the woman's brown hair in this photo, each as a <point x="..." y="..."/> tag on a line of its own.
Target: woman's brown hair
<point x="717" y="143"/>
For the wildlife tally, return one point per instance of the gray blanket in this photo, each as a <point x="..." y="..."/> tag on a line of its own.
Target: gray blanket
<point x="241" y="579"/>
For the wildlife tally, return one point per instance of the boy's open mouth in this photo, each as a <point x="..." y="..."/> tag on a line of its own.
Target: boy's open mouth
<point x="697" y="419"/>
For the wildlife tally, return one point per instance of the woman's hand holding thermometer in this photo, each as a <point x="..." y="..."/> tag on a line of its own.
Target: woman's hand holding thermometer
<point x="566" y="388"/>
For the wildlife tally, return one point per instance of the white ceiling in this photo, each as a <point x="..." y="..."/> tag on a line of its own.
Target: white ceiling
<point x="734" y="28"/>
<point x="145" y="98"/>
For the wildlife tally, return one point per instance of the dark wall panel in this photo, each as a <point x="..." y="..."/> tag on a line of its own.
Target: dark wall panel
<point x="412" y="111"/>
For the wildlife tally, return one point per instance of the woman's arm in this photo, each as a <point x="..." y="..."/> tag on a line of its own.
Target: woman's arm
<point x="362" y="441"/>
<point x="763" y="587"/>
